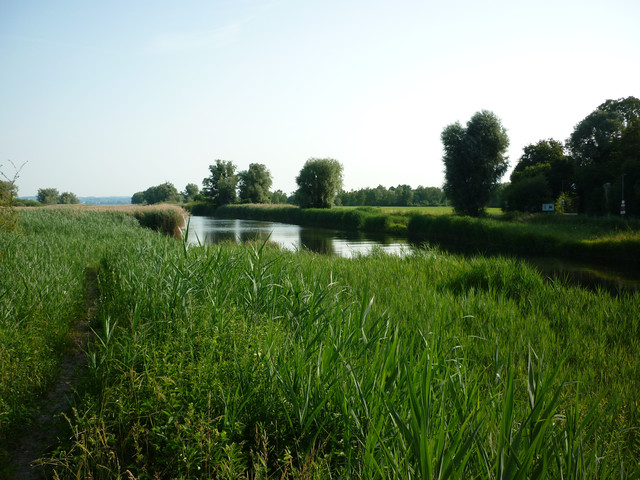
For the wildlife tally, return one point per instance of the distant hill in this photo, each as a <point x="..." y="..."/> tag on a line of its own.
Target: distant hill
<point x="97" y="200"/>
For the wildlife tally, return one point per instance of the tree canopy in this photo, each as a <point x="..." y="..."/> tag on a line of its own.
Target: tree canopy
<point x="68" y="198"/>
<point x="191" y="190"/>
<point x="47" y="196"/>
<point x="220" y="186"/>
<point x="401" y="196"/>
<point x="604" y="146"/>
<point x="474" y="161"/>
<point x="165" y="192"/>
<point x="319" y="181"/>
<point x="255" y="184"/>
<point x="542" y="173"/>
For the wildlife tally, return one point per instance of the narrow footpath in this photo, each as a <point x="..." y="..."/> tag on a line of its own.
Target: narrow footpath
<point x="37" y="440"/>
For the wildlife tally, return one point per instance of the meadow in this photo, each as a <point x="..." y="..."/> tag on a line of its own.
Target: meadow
<point x="246" y="361"/>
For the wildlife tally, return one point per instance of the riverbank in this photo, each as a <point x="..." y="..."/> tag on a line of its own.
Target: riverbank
<point x="165" y="218"/>
<point x="610" y="240"/>
<point x="228" y="361"/>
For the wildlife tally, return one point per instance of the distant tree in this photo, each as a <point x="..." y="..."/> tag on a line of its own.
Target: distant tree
<point x="429" y="196"/>
<point x="8" y="195"/>
<point x="474" y="161"/>
<point x="137" y="198"/>
<point x="278" y="197"/>
<point x="165" y="192"/>
<point x="190" y="192"/>
<point x="255" y="184"/>
<point x="403" y="195"/>
<point x="48" y="196"/>
<point x="319" y="181"/>
<point x="68" y="198"/>
<point x="220" y="186"/>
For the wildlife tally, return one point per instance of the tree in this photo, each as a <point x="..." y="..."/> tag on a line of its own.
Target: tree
<point x="319" y="181"/>
<point x="8" y="195"/>
<point x="190" y="192"/>
<point x="48" y="196"/>
<point x="552" y="170"/>
<point x="220" y="186"/>
<point x="597" y="145"/>
<point x="165" y="192"/>
<point x="68" y="198"/>
<point x="137" y="198"/>
<point x="528" y="194"/>
<point x="279" y="197"/>
<point x="255" y="184"/>
<point x="474" y="161"/>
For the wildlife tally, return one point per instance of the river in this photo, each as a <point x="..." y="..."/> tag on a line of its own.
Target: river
<point x="208" y="230"/>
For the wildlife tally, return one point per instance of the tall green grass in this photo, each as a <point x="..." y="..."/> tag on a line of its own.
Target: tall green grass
<point x="226" y="361"/>
<point x="247" y="361"/>
<point x="42" y="294"/>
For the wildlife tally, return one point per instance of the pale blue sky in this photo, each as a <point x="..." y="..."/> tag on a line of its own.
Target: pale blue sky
<point x="111" y="97"/>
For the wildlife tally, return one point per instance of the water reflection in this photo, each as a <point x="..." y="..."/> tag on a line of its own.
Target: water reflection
<point x="208" y="230"/>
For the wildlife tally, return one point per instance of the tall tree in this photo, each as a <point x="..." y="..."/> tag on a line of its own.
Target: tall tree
<point x="319" y="181"/>
<point x="595" y="145"/>
<point x="220" y="186"/>
<point x="48" y="196"/>
<point x="474" y="161"/>
<point x="255" y="184"/>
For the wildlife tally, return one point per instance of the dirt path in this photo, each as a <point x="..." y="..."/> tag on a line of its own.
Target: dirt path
<point x="42" y="436"/>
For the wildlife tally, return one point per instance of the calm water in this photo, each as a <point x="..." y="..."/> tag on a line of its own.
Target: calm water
<point x="291" y="237"/>
<point x="348" y="244"/>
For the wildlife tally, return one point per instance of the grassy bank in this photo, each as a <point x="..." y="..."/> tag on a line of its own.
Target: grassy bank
<point x="247" y="361"/>
<point x="605" y="240"/>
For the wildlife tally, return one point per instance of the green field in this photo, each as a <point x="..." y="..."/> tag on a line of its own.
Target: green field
<point x="247" y="361"/>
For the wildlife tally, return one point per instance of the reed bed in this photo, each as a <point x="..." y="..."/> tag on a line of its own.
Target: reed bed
<point x="245" y="361"/>
<point x="42" y="270"/>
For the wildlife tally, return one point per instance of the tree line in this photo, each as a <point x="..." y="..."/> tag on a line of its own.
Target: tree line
<point x="319" y="186"/>
<point x="595" y="172"/>
<point x="400" y="196"/>
<point x="591" y="173"/>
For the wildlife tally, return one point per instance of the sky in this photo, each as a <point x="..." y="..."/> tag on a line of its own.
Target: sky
<point x="110" y="98"/>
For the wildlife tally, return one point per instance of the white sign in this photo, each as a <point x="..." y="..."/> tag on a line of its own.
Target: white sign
<point x="548" y="207"/>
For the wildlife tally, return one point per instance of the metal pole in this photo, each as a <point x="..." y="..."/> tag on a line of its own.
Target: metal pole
<point x="623" y="207"/>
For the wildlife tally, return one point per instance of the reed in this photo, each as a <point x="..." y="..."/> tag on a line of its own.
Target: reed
<point x="235" y="361"/>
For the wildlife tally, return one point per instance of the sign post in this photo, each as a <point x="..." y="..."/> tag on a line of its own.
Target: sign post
<point x="622" y="208"/>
